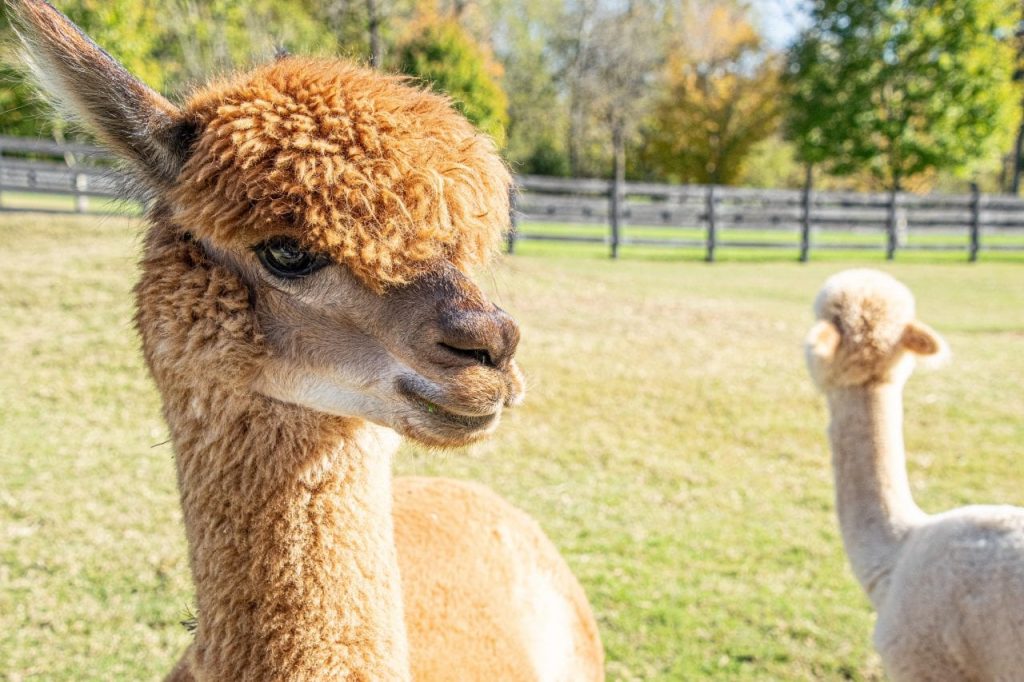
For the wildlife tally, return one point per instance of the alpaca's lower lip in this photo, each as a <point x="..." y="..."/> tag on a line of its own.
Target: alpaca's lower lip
<point x="445" y="416"/>
<point x="449" y="418"/>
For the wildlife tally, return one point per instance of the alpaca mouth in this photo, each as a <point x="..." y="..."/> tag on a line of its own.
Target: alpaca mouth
<point x="446" y="416"/>
<point x="454" y="419"/>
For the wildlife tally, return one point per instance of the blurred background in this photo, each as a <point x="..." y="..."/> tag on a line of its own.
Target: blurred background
<point x="868" y="95"/>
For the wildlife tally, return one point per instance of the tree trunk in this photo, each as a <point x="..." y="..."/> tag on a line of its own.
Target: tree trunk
<point x="1018" y="149"/>
<point x="376" y="50"/>
<point x="575" y="132"/>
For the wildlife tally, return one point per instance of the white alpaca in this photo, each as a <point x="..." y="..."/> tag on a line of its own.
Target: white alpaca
<point x="948" y="588"/>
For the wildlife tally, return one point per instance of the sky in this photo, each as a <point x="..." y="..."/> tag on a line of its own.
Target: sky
<point x="780" y="19"/>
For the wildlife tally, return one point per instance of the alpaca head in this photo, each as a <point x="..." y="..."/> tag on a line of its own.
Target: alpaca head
<point x="866" y="332"/>
<point x="313" y="227"/>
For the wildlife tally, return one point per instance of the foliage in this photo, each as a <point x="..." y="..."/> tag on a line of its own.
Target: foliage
<point x="205" y="38"/>
<point x="21" y="111"/>
<point x="447" y="58"/>
<point x="128" y="29"/>
<point x="545" y="158"/>
<point x="913" y="90"/>
<point x="348" y="22"/>
<point x="772" y="164"/>
<point x="172" y="46"/>
<point x="721" y="98"/>
<point x="608" y="55"/>
<point x="903" y="87"/>
<point x="537" y="117"/>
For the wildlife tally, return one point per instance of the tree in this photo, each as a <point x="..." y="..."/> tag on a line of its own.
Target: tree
<point x="521" y="31"/>
<point x="21" y="111"/>
<point x="721" y="97"/>
<point x="445" y="57"/>
<point x="903" y="87"/>
<point x="610" y="55"/>
<point x="204" y="37"/>
<point x="1017" y="156"/>
<point x="129" y="28"/>
<point x="772" y="164"/>
<point x="173" y="45"/>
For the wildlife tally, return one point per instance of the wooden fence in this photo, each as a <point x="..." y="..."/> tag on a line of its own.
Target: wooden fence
<point x="708" y="218"/>
<point x="711" y="218"/>
<point x="49" y="168"/>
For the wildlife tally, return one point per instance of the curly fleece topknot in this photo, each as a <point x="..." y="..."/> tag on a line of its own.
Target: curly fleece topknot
<point x="385" y="178"/>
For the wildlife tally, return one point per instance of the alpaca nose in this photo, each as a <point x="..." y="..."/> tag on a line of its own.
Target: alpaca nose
<point x="487" y="337"/>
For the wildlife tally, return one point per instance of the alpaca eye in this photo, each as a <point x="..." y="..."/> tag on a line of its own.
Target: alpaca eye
<point x="285" y="258"/>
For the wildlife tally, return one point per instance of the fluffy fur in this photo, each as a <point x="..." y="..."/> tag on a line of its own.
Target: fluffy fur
<point x="948" y="588"/>
<point x="288" y="502"/>
<point x="874" y="320"/>
<point x="540" y="629"/>
<point x="360" y="166"/>
<point x="279" y="502"/>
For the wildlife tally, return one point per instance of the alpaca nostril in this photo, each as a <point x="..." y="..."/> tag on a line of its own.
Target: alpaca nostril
<point x="488" y="338"/>
<point x="478" y="355"/>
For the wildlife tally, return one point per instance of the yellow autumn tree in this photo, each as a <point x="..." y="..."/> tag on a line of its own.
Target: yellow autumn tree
<point x="722" y="95"/>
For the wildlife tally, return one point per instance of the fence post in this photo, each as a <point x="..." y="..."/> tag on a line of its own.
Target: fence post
<point x="712" y="238"/>
<point x="975" y="245"/>
<point x="81" y="185"/>
<point x="891" y="226"/>
<point x="615" y="190"/>
<point x="805" y="224"/>
<point x="513" y="228"/>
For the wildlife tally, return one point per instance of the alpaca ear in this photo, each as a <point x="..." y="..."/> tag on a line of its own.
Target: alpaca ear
<point x="89" y="85"/>
<point x="823" y="339"/>
<point x="922" y="340"/>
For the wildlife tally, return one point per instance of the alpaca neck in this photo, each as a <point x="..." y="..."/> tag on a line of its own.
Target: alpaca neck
<point x="873" y="499"/>
<point x="287" y="511"/>
<point x="288" y="517"/>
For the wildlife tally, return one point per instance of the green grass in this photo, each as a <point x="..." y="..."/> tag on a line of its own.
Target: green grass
<point x="671" y="445"/>
<point x="66" y="202"/>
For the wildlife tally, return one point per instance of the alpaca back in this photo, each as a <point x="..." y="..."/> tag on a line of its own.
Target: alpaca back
<point x="955" y="599"/>
<point x="487" y="596"/>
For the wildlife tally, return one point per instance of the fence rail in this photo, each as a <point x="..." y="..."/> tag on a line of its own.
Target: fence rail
<point x="569" y="210"/>
<point x="50" y="168"/>
<point x="713" y="217"/>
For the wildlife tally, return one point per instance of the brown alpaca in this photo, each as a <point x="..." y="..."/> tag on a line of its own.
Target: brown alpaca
<point x="303" y="297"/>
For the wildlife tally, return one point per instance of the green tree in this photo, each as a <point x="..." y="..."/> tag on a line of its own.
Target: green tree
<point x="201" y="38"/>
<point x="721" y="98"/>
<point x="443" y="55"/>
<point x="772" y="164"/>
<point x="537" y="115"/>
<point x="22" y="113"/>
<point x="129" y="29"/>
<point x="902" y="88"/>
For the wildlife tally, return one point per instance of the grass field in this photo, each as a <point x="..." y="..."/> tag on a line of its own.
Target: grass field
<point x="65" y="202"/>
<point x="671" y="445"/>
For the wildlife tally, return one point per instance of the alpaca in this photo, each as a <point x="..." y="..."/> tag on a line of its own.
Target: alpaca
<point x="948" y="588"/>
<point x="303" y="300"/>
